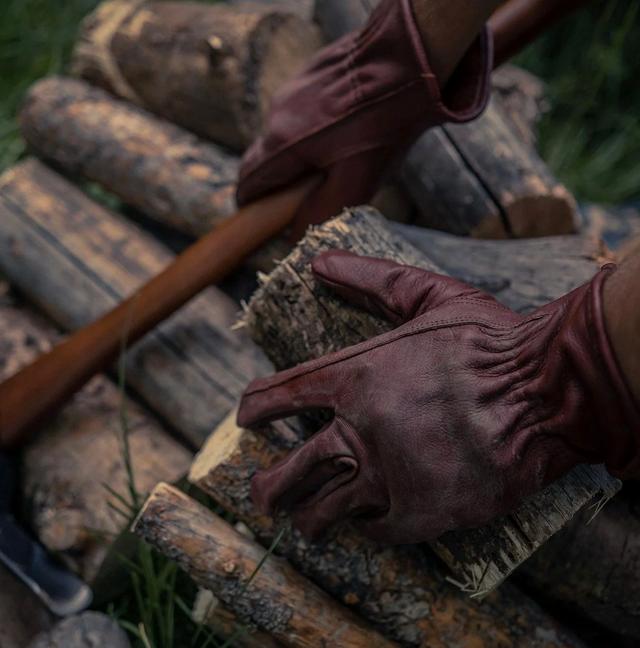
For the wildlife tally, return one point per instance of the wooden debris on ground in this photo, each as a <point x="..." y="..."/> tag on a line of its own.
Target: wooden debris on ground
<point x="294" y="319"/>
<point x="211" y="68"/>
<point x="263" y="591"/>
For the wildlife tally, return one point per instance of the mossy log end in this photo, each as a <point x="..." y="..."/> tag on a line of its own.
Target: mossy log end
<point x="211" y="68"/>
<point x="277" y="600"/>
<point x="294" y="319"/>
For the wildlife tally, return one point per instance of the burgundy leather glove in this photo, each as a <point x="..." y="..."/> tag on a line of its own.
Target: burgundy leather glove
<point x="359" y="104"/>
<point x="451" y="419"/>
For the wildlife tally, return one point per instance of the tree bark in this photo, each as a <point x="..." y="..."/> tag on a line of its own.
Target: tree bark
<point x="162" y="170"/>
<point x="73" y="469"/>
<point x="168" y="174"/>
<point x="402" y="591"/>
<point x="77" y="260"/>
<point x="211" y="68"/>
<point x="277" y="600"/>
<point x="294" y="320"/>
<point x="594" y="570"/>
<point x="475" y="179"/>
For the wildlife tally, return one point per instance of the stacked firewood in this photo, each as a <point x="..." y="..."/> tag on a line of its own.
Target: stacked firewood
<point x="165" y="98"/>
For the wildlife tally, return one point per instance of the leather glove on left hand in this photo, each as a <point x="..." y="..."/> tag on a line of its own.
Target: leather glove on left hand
<point x="451" y="419"/>
<point x="356" y="107"/>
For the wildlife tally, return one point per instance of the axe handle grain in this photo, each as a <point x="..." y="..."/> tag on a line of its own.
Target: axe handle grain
<point x="35" y="392"/>
<point x="518" y="23"/>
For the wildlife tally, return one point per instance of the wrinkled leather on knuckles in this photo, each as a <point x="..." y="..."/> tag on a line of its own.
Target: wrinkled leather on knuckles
<point x="452" y="418"/>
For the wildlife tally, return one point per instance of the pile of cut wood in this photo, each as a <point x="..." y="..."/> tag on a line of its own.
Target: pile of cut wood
<point x="164" y="98"/>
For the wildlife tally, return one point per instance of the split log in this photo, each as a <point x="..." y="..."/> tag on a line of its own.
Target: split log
<point x="278" y="600"/>
<point x="72" y="469"/>
<point x="22" y="615"/>
<point x="475" y="179"/>
<point x="162" y="170"/>
<point x="593" y="570"/>
<point x="402" y="591"/>
<point x="211" y="68"/>
<point x="522" y="274"/>
<point x="294" y="319"/>
<point x="77" y="260"/>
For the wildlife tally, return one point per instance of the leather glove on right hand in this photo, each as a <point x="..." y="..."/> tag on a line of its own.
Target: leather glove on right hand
<point x="356" y="108"/>
<point x="451" y="419"/>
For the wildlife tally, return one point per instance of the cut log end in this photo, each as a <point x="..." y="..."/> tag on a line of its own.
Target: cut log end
<point x="227" y="61"/>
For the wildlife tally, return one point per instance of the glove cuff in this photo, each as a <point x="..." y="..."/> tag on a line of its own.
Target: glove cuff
<point x="466" y="94"/>
<point x="618" y="412"/>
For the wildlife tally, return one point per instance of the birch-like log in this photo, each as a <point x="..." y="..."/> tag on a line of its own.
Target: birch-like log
<point x="77" y="260"/>
<point x="164" y="171"/>
<point x="401" y="591"/>
<point x="211" y="68"/>
<point x="475" y="179"/>
<point x="294" y="319"/>
<point x="277" y="600"/>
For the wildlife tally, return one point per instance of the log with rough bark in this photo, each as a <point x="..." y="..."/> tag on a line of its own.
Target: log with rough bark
<point x="277" y="599"/>
<point x="475" y="179"/>
<point x="77" y="260"/>
<point x="75" y="471"/>
<point x="401" y="591"/>
<point x="211" y="68"/>
<point x="294" y="320"/>
<point x="592" y="567"/>
<point x="167" y="173"/>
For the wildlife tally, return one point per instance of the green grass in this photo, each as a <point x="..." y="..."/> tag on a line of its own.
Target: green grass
<point x="591" y="64"/>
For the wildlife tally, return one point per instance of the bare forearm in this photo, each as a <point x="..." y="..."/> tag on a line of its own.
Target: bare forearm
<point x="448" y="29"/>
<point x="622" y="316"/>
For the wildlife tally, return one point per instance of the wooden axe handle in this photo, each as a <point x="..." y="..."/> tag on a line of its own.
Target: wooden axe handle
<point x="518" y="23"/>
<point x="35" y="392"/>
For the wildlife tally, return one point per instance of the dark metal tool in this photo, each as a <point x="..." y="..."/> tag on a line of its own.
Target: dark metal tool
<point x="61" y="592"/>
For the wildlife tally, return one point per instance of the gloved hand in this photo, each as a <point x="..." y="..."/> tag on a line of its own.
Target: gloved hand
<point x="451" y="419"/>
<point x="357" y="106"/>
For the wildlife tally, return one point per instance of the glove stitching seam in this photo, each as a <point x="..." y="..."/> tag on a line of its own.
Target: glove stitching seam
<point x="416" y="330"/>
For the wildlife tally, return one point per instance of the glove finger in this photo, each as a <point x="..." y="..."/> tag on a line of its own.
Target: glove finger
<point x="316" y="469"/>
<point x="396" y="292"/>
<point x="310" y="386"/>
